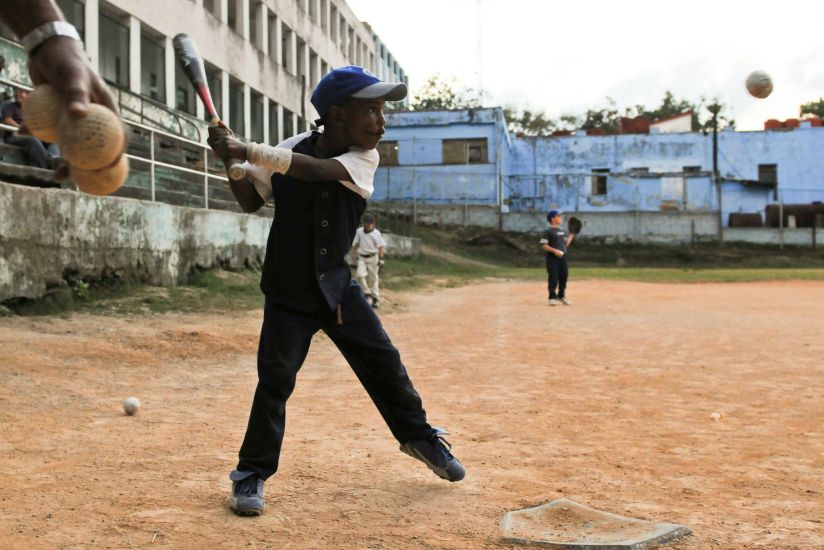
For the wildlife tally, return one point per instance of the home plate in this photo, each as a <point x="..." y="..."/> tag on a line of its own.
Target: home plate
<point x="564" y="523"/>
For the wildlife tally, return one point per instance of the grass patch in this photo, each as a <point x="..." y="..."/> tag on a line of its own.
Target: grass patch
<point x="214" y="290"/>
<point x="708" y="275"/>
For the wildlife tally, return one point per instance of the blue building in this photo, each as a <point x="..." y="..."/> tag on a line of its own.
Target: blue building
<point x="441" y="159"/>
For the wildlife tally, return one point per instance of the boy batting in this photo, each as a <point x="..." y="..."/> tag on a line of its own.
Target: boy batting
<point x="320" y="183"/>
<point x="554" y="241"/>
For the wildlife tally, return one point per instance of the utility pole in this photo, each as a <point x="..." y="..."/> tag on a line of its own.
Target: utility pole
<point x="715" y="108"/>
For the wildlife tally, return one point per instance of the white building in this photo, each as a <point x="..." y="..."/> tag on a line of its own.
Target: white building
<point x="263" y="58"/>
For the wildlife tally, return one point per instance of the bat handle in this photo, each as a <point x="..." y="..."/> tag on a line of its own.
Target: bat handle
<point x="236" y="169"/>
<point x="234" y="166"/>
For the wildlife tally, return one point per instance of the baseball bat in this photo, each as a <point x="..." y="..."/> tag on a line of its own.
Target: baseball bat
<point x="192" y="66"/>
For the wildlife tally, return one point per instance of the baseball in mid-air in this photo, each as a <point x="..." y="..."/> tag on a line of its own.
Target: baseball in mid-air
<point x="131" y="406"/>
<point x="759" y="84"/>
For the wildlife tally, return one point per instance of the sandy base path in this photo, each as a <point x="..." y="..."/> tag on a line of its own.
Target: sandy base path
<point x="694" y="404"/>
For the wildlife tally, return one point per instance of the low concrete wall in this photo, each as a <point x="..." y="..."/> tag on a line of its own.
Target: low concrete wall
<point x="773" y="236"/>
<point x="658" y="227"/>
<point x="47" y="235"/>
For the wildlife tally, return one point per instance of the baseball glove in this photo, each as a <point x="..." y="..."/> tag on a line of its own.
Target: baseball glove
<point x="574" y="225"/>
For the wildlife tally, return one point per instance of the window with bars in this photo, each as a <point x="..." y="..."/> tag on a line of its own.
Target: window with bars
<point x="768" y="173"/>
<point x="388" y="151"/>
<point x="465" y="151"/>
<point x="599" y="181"/>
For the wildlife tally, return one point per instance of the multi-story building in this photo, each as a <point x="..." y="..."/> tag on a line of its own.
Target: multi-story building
<point x="262" y="57"/>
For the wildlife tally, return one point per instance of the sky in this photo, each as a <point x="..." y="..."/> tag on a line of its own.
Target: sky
<point x="567" y="57"/>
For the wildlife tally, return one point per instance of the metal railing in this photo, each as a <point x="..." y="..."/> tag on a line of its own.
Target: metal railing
<point x="154" y="163"/>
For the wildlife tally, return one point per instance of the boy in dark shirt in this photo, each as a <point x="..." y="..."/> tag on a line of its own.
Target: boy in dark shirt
<point x="554" y="241"/>
<point x="319" y="183"/>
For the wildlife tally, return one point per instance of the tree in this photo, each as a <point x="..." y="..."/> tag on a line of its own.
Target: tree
<point x="528" y="122"/>
<point x="441" y="94"/>
<point x="813" y="109"/>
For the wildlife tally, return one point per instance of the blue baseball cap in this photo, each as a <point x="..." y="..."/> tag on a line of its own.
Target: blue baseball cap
<point x="552" y="213"/>
<point x="353" y="81"/>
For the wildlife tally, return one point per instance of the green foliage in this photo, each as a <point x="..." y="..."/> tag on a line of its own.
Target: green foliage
<point x="446" y="94"/>
<point x="813" y="108"/>
<point x="608" y="118"/>
<point x="528" y="122"/>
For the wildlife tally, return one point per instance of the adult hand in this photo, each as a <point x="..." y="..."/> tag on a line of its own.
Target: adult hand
<point x="559" y="253"/>
<point x="223" y="143"/>
<point x="61" y="62"/>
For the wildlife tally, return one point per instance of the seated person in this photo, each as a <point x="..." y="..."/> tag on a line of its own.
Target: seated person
<point x="12" y="115"/>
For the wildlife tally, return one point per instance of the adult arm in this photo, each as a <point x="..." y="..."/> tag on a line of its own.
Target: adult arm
<point x="59" y="60"/>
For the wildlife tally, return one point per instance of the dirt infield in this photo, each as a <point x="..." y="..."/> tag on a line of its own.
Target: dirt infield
<point x="694" y="404"/>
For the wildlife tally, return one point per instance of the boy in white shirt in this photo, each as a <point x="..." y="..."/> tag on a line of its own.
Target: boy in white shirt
<point x="369" y="247"/>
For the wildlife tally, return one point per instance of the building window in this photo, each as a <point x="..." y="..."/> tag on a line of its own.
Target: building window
<point x="388" y="151"/>
<point x="114" y="51"/>
<point x="235" y="20"/>
<point x="286" y="50"/>
<point x="274" y="138"/>
<point x="152" y="68"/>
<point x="254" y="22"/>
<point x="313" y="12"/>
<point x="334" y="25"/>
<point x="256" y="108"/>
<point x="768" y="173"/>
<point x="215" y="80"/>
<point x="599" y="181"/>
<point x="324" y="22"/>
<point x="302" y="69"/>
<point x="75" y="14"/>
<point x="313" y="69"/>
<point x="288" y="124"/>
<point x="273" y="36"/>
<point x="184" y="92"/>
<point x="236" y="118"/>
<point x="465" y="151"/>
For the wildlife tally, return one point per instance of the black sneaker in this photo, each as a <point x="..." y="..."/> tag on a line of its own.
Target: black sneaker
<point x="247" y="494"/>
<point x="435" y="453"/>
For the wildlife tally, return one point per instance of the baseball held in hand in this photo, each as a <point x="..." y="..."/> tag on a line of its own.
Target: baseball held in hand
<point x="91" y="142"/>
<point x="41" y="111"/>
<point x="759" y="84"/>
<point x="103" y="181"/>
<point x="131" y="406"/>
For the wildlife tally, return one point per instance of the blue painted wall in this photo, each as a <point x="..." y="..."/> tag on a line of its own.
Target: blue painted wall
<point x="529" y="173"/>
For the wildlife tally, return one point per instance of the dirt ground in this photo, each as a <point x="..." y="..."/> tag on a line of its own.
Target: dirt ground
<point x="693" y="404"/>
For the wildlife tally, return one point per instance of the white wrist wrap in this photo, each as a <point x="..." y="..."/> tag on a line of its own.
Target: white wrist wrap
<point x="276" y="159"/>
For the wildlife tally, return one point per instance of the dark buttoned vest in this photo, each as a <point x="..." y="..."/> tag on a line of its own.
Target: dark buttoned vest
<point x="312" y="231"/>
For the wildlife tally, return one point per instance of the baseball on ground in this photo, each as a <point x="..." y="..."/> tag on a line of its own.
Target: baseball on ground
<point x="131" y="406"/>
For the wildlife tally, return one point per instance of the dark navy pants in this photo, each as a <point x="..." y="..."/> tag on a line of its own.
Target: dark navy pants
<point x="557" y="274"/>
<point x="284" y="343"/>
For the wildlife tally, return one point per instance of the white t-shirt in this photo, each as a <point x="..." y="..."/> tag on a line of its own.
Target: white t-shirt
<point x="368" y="243"/>
<point x="360" y="163"/>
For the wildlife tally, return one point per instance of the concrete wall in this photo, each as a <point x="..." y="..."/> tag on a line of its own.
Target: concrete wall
<point x="49" y="234"/>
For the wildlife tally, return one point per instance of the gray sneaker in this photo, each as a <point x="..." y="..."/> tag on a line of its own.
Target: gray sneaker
<point x="552" y="301"/>
<point x="247" y="494"/>
<point x="435" y="453"/>
<point x="566" y="302"/>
